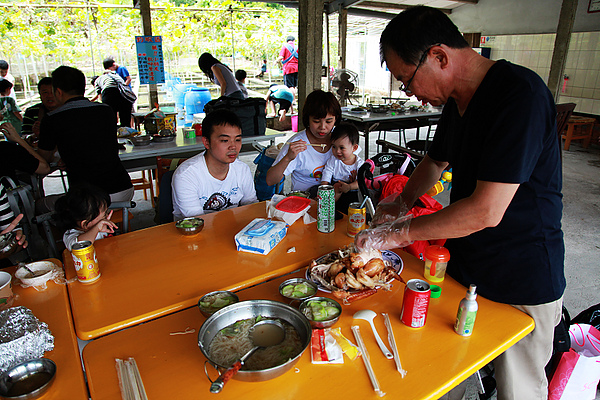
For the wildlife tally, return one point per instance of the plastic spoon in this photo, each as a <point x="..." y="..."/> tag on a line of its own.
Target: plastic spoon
<point x="369" y="316"/>
<point x="264" y="333"/>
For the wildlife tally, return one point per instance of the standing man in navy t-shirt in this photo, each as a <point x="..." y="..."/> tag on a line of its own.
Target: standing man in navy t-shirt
<point x="503" y="224"/>
<point x="288" y="56"/>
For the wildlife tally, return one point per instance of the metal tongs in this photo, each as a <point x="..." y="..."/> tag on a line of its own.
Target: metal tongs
<point x="367" y="360"/>
<point x="392" y="342"/>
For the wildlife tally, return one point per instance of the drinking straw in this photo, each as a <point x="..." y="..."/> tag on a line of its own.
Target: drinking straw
<point x="392" y="342"/>
<point x="367" y="360"/>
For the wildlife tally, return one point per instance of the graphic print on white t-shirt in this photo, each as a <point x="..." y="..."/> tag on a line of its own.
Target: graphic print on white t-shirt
<point x="217" y="202"/>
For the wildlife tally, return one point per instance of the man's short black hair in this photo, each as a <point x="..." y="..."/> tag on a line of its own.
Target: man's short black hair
<point x="3" y="64"/>
<point x="108" y="62"/>
<point x="5" y="84"/>
<point x="68" y="79"/>
<point x="240" y="75"/>
<point x="345" y="129"/>
<point x="45" y="81"/>
<point x="219" y="117"/>
<point x="416" y="29"/>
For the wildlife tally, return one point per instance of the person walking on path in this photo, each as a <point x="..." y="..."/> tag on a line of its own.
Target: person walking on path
<point x="288" y="56"/>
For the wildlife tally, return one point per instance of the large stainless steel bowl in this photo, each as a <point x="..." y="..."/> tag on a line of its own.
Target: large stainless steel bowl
<point x="250" y="309"/>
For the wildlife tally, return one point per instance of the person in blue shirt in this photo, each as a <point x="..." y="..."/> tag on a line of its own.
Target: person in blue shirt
<point x="110" y="64"/>
<point x="282" y="95"/>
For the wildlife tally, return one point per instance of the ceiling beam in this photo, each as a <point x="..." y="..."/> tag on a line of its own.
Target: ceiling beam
<point x="335" y="5"/>
<point x="396" y="6"/>
<point x="362" y="12"/>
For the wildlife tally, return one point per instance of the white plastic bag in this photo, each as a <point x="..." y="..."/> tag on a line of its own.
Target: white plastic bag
<point x="578" y="371"/>
<point x="288" y="217"/>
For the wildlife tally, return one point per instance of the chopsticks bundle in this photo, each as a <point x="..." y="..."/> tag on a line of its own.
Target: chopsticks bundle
<point x="130" y="381"/>
<point x="392" y="342"/>
<point x="367" y="360"/>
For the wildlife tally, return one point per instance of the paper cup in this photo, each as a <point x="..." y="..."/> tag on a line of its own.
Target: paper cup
<point x="6" y="294"/>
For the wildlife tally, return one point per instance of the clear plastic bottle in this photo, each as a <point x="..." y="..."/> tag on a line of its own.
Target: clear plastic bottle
<point x="467" y="311"/>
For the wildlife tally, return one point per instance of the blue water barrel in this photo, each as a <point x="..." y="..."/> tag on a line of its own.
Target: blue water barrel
<point x="195" y="99"/>
<point x="179" y="91"/>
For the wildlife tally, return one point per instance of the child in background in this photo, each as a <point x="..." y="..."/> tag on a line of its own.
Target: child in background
<point x="84" y="212"/>
<point x="342" y="168"/>
<point x="10" y="110"/>
<point x="263" y="69"/>
<point x="240" y="77"/>
<point x="304" y="156"/>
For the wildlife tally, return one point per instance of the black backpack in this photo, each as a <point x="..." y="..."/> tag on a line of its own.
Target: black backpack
<point x="250" y="111"/>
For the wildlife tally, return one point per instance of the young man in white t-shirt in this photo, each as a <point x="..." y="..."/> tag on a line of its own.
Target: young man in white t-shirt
<point x="215" y="179"/>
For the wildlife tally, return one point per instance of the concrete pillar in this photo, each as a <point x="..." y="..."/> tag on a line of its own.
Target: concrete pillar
<point x="561" y="46"/>
<point x="147" y="30"/>
<point x="310" y="49"/>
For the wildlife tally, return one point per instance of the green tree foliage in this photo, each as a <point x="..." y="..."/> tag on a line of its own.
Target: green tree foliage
<point x="57" y="30"/>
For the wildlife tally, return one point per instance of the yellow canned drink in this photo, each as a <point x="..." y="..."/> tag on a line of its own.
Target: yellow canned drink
<point x="86" y="264"/>
<point x="357" y="219"/>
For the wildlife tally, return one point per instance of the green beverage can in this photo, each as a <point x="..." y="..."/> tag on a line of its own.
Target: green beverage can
<point x="325" y="209"/>
<point x="190" y="134"/>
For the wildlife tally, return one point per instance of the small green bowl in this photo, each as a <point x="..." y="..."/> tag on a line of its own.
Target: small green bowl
<point x="324" y="323"/>
<point x="189" y="226"/>
<point x="295" y="281"/>
<point x="208" y="311"/>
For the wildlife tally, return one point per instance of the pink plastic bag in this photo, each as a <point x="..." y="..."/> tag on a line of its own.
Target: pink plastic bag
<point x="578" y="371"/>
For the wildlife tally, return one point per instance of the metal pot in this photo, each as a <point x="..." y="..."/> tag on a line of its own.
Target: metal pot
<point x="250" y="309"/>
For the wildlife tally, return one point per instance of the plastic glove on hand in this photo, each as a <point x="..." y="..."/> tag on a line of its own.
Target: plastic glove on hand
<point x="389" y="235"/>
<point x="389" y="209"/>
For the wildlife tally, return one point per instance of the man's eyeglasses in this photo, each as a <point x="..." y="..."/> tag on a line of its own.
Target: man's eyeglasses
<point x="406" y="89"/>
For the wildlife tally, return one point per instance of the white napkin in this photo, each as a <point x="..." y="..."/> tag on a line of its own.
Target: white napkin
<point x="287" y="217"/>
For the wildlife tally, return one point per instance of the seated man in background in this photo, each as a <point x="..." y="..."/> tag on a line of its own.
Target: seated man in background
<point x="85" y="134"/>
<point x="282" y="95"/>
<point x="215" y="179"/>
<point x="34" y="114"/>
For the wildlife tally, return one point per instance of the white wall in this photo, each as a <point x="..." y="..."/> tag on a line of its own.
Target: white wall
<point x="362" y="54"/>
<point x="498" y="17"/>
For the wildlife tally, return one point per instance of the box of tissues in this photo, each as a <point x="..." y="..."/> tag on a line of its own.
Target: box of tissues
<point x="260" y="236"/>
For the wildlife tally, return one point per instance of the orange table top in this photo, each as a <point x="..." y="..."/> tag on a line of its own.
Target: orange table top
<point x="52" y="307"/>
<point x="435" y="357"/>
<point x="156" y="271"/>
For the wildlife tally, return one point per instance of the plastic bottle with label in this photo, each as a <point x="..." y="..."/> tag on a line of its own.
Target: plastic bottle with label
<point x="467" y="311"/>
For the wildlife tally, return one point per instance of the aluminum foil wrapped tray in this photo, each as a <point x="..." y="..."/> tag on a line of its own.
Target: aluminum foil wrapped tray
<point x="22" y="337"/>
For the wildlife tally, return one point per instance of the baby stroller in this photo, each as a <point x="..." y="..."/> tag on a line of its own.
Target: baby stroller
<point x="386" y="174"/>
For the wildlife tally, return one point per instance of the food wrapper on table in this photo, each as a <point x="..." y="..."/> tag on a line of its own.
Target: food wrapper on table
<point x="22" y="337"/>
<point x="288" y="217"/>
<point x="324" y="349"/>
<point x="260" y="236"/>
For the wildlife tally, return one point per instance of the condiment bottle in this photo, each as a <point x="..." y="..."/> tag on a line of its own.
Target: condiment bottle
<point x="467" y="311"/>
<point x="436" y="259"/>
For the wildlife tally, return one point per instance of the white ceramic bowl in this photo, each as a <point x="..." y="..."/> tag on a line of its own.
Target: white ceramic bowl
<point x="41" y="271"/>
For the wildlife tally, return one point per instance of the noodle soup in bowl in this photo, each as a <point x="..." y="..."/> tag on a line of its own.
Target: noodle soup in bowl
<point x="229" y="328"/>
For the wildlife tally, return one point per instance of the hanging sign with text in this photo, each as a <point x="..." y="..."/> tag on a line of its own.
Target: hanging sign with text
<point x="150" y="59"/>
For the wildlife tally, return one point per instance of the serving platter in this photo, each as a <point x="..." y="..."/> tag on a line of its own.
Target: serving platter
<point x="389" y="257"/>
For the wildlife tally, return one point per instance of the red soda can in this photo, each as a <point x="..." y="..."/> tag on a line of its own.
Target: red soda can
<point x="415" y="303"/>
